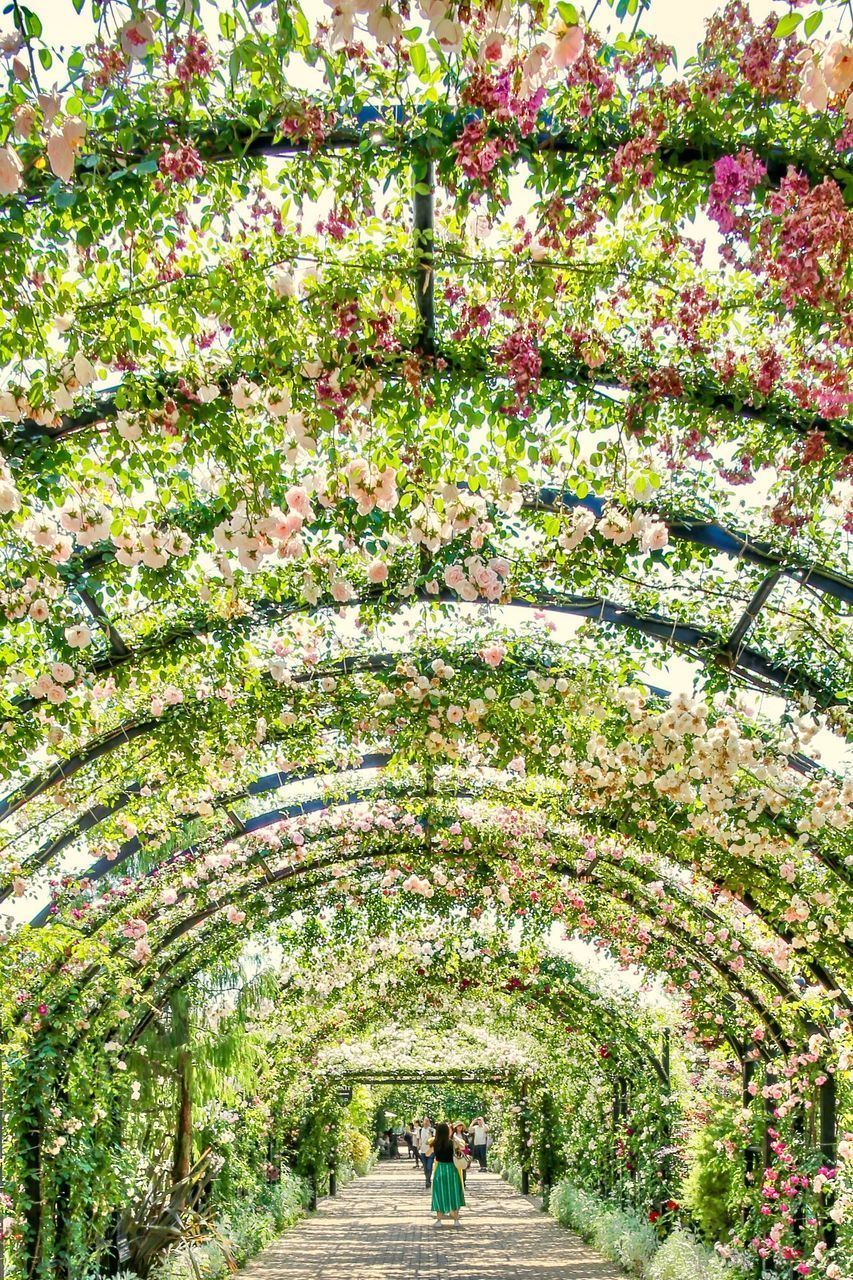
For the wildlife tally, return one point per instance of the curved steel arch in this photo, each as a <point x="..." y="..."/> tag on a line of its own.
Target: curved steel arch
<point x="374" y="761"/>
<point x="823" y="976"/>
<point x="122" y="735"/>
<point x="693" y="947"/>
<point x="694" y="530"/>
<point x="699" y="952"/>
<point x="706" y="646"/>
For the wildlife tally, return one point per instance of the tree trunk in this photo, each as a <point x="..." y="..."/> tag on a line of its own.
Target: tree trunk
<point x="182" y="1162"/>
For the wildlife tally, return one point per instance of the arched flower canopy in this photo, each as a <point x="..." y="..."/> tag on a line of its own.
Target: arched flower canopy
<point x="425" y="492"/>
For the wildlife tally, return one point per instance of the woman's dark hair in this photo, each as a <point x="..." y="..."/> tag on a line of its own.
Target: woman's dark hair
<point x="442" y="1143"/>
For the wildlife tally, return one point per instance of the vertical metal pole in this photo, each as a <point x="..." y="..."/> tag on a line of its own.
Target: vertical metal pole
<point x="828" y="1122"/>
<point x="525" y="1149"/>
<point x="424" y="232"/>
<point x="750" y="1153"/>
<point x="769" y="1108"/>
<point x="827" y="1103"/>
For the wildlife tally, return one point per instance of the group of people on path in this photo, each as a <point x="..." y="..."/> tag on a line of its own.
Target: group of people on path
<point x="446" y="1152"/>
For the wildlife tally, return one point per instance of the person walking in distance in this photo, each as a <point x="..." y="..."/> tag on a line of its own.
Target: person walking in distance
<point x="478" y="1134"/>
<point x="424" y="1136"/>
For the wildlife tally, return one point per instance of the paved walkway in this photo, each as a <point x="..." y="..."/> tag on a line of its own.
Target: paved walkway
<point x="380" y="1228"/>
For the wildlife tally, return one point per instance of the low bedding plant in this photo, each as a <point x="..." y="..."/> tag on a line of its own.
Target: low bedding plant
<point x="624" y="1238"/>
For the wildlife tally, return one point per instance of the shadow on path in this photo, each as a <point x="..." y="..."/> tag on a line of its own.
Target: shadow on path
<point x="380" y="1228"/>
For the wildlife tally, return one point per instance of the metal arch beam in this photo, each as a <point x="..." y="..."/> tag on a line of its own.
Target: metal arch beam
<point x="682" y="528"/>
<point x="714" y="537"/>
<point x="646" y="905"/>
<point x="285" y="875"/>
<point x="705" y="645"/>
<point x="260" y="786"/>
<point x="124" y="734"/>
<point x="587" y="999"/>
<point x="41" y="857"/>
<point x="751" y="612"/>
<point x="692" y="947"/>
<point x="282" y="878"/>
<point x="620" y="873"/>
<point x="556" y="367"/>
<point x="551" y="139"/>
<point x="276" y="781"/>
<point x="299" y="808"/>
<point x="273" y="781"/>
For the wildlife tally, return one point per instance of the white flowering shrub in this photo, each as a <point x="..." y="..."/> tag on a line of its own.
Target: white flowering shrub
<point x="681" y="1256"/>
<point x="624" y="1238"/>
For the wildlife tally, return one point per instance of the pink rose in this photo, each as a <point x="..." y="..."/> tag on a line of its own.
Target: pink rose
<point x="23" y="119"/>
<point x="377" y="571"/>
<point x="62" y="148"/>
<point x="837" y="66"/>
<point x="78" y="637"/>
<point x="568" y="47"/>
<point x="136" y="37"/>
<point x="814" y="94"/>
<point x="234" y="916"/>
<point x="493" y="655"/>
<point x="10" y="171"/>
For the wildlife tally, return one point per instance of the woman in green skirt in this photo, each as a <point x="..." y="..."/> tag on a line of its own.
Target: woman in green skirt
<point x="448" y="1195"/>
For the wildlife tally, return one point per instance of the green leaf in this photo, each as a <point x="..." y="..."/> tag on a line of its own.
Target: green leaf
<point x="568" y="13"/>
<point x="812" y="23"/>
<point x="32" y="23"/>
<point x="46" y="58"/>
<point x="418" y="58"/>
<point x="786" y="25"/>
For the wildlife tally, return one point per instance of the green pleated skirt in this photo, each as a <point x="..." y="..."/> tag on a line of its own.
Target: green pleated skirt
<point x="447" y="1190"/>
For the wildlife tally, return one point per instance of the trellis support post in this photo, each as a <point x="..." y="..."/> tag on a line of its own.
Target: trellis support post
<point x="828" y="1119"/>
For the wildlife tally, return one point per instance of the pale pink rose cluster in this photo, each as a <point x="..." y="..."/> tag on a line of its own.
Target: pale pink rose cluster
<point x="32" y="600"/>
<point x="827" y="73"/>
<point x="63" y="142"/>
<point x="10" y="498"/>
<point x="649" y="531"/>
<point x="370" y="487"/>
<point x="435" y="521"/>
<point x="277" y="534"/>
<point x="149" y="546"/>
<point x="415" y="884"/>
<point x="493" y="654"/>
<point x="171" y="696"/>
<point x="88" y="519"/>
<point x="134" y="928"/>
<point x="475" y="580"/>
<point x="44" y="535"/>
